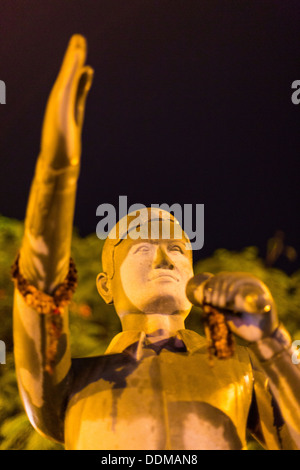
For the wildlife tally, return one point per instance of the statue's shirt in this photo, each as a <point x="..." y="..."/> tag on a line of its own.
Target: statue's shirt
<point x="168" y="396"/>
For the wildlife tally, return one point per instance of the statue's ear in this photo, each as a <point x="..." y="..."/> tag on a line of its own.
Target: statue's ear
<point x="104" y="287"/>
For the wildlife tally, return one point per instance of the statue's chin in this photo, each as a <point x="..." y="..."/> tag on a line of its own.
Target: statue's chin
<point x="166" y="305"/>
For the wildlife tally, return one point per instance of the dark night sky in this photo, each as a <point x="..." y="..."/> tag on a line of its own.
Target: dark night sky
<point x="191" y="103"/>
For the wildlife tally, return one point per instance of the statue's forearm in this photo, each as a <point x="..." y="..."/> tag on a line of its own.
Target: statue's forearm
<point x="275" y="358"/>
<point x="45" y="251"/>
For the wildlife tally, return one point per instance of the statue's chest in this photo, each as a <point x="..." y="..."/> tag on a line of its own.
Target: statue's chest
<point x="169" y="401"/>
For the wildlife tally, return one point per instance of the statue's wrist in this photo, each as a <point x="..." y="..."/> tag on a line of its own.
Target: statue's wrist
<point x="39" y="300"/>
<point x="270" y="346"/>
<point x="52" y="307"/>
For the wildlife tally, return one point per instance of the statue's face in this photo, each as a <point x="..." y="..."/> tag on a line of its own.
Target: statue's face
<point x="151" y="276"/>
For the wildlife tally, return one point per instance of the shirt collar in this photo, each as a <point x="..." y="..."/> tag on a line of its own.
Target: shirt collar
<point x="133" y="342"/>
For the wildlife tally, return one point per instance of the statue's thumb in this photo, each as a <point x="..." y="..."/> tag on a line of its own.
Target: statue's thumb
<point x="84" y="84"/>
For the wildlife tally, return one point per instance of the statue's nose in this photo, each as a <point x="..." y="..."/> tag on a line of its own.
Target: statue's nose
<point x="162" y="260"/>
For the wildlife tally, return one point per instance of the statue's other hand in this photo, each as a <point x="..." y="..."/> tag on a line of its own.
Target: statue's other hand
<point x="61" y="133"/>
<point x="247" y="303"/>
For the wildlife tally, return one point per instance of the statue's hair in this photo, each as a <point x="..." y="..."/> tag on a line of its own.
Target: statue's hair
<point x="138" y="219"/>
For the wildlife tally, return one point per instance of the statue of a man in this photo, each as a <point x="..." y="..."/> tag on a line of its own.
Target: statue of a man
<point x="154" y="388"/>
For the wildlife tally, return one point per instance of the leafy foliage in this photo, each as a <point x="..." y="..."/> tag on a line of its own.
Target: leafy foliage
<point x="93" y="323"/>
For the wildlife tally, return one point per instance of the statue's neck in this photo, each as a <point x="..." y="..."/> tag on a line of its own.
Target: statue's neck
<point x="154" y="324"/>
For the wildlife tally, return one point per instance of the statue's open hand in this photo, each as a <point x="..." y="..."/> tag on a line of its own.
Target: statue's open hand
<point x="247" y="303"/>
<point x="61" y="134"/>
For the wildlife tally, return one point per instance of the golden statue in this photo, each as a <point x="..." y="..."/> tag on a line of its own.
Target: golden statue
<point x="154" y="388"/>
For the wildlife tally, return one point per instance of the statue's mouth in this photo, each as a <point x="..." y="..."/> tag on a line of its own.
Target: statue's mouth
<point x="164" y="276"/>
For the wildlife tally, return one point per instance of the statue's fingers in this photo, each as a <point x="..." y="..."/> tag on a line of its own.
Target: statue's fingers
<point x="215" y="290"/>
<point x="208" y="293"/>
<point x="73" y="61"/>
<point x="84" y="84"/>
<point x="195" y="288"/>
<point x="221" y="298"/>
<point x="245" y="289"/>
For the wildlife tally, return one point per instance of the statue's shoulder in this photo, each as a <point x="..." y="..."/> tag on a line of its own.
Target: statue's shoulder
<point x="197" y="343"/>
<point x="87" y="370"/>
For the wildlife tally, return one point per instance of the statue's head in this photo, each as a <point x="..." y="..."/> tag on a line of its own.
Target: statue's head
<point x="147" y="261"/>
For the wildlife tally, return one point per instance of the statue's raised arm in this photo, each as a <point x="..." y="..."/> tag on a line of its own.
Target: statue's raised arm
<point x="43" y="273"/>
<point x="48" y="225"/>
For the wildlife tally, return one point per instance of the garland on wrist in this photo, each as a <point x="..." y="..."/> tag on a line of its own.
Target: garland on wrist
<point x="52" y="306"/>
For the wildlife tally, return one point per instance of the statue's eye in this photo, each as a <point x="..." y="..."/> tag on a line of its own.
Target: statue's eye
<point x="142" y="249"/>
<point x="176" y="248"/>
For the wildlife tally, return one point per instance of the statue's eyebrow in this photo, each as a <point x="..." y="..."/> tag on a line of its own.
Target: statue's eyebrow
<point x="177" y="241"/>
<point x="144" y="241"/>
<point x="156" y="242"/>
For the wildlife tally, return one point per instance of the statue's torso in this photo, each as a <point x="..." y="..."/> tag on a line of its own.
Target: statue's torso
<point x="167" y="401"/>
